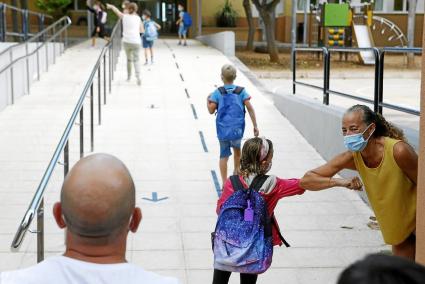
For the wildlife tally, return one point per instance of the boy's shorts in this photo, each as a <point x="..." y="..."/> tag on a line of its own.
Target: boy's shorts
<point x="182" y="30"/>
<point x="147" y="43"/>
<point x="226" y="145"/>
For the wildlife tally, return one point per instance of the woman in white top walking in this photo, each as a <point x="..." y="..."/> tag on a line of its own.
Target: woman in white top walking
<point x="132" y="28"/>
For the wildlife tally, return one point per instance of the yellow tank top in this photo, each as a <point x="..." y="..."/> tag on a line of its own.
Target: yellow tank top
<point x="391" y="193"/>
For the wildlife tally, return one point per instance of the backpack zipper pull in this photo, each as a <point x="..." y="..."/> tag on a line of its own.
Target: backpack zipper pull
<point x="249" y="213"/>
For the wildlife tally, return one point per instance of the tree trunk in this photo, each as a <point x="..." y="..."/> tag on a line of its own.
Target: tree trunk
<point x="269" y="25"/>
<point x="267" y="13"/>
<point x="411" y="32"/>
<point x="251" y="26"/>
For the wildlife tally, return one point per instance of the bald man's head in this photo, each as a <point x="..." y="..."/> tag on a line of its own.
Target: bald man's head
<point x="98" y="197"/>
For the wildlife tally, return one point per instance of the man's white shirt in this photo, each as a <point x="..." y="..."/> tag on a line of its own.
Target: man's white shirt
<point x="65" y="270"/>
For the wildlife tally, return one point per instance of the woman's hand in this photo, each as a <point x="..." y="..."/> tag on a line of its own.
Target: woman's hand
<point x="354" y="183"/>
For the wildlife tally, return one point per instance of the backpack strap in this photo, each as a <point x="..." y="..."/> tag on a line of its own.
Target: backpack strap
<point x="236" y="183"/>
<point x="274" y="223"/>
<point x="238" y="90"/>
<point x="222" y="91"/>
<point x="256" y="184"/>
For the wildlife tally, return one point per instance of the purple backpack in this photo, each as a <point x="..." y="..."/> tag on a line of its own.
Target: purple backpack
<point x="242" y="241"/>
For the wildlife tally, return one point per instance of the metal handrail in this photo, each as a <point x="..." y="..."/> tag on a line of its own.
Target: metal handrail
<point x="26" y="10"/>
<point x="379" y="54"/>
<point x="57" y="30"/>
<point x="25" y="13"/>
<point x="36" y="205"/>
<point x="39" y="34"/>
<point x="54" y="36"/>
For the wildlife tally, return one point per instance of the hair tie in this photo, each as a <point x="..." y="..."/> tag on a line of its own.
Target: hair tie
<point x="264" y="150"/>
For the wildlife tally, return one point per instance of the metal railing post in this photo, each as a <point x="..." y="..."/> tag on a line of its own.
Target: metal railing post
<point x="110" y="69"/>
<point x="66" y="159"/>
<point x="326" y="75"/>
<point x="381" y="82"/>
<point x="54" y="45"/>
<point x="377" y="80"/>
<point x="112" y="59"/>
<point x="104" y="78"/>
<point x="27" y="68"/>
<point x="12" y="91"/>
<point x="82" y="132"/>
<point x="99" y="97"/>
<point x="294" y="70"/>
<point x="25" y="24"/>
<point x="41" y="26"/>
<point x="47" y="56"/>
<point x="2" y="22"/>
<point x="38" y="63"/>
<point x="40" y="232"/>
<point x="91" y="118"/>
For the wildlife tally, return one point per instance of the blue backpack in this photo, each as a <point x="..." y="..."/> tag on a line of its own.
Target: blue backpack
<point x="230" y="120"/>
<point x="151" y="32"/>
<point x="187" y="20"/>
<point x="242" y="241"/>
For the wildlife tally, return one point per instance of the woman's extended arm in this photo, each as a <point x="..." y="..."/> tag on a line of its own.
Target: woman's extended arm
<point x="115" y="10"/>
<point x="322" y="177"/>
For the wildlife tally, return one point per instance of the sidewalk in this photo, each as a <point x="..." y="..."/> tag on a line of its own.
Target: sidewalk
<point x="156" y="130"/>
<point x="167" y="139"/>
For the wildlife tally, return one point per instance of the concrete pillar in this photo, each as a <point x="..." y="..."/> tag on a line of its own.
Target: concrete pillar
<point x="420" y="219"/>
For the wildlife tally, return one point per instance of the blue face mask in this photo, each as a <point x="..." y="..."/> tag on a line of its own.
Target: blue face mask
<point x="356" y="142"/>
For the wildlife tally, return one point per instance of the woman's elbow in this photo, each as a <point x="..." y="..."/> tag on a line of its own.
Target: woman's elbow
<point x="305" y="181"/>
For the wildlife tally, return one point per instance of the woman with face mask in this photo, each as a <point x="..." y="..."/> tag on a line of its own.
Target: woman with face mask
<point x="388" y="167"/>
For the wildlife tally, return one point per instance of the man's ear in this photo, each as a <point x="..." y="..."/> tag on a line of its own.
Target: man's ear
<point x="57" y="214"/>
<point x="136" y="218"/>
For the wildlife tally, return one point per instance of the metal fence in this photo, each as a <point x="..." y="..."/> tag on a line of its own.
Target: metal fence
<point x="20" y="24"/>
<point x="379" y="56"/>
<point x="29" y="59"/>
<point x="106" y="64"/>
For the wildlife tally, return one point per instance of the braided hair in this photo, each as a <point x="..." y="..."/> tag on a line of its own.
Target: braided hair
<point x="250" y="158"/>
<point x="383" y="127"/>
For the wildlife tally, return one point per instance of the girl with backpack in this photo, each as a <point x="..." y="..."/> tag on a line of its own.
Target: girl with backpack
<point x="246" y="229"/>
<point x="150" y="35"/>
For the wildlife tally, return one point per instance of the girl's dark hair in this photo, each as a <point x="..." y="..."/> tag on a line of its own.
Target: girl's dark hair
<point x="250" y="159"/>
<point x="383" y="127"/>
<point x="147" y="13"/>
<point x="383" y="269"/>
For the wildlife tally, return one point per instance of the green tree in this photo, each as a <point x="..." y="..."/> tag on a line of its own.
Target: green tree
<point x="53" y="7"/>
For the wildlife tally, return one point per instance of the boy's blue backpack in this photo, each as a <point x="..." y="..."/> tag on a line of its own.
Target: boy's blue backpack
<point x="230" y="121"/>
<point x="243" y="241"/>
<point x="187" y="20"/>
<point x="151" y="33"/>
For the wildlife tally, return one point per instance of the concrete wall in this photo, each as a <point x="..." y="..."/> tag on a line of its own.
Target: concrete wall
<point x="18" y="87"/>
<point x="224" y="41"/>
<point x="320" y="124"/>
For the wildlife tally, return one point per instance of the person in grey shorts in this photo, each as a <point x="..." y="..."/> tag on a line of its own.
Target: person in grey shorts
<point x="132" y="28"/>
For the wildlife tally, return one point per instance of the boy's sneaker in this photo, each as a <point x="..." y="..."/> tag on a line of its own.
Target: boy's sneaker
<point x="180" y="43"/>
<point x="146" y="63"/>
<point x="185" y="44"/>
<point x="139" y="82"/>
<point x="128" y="79"/>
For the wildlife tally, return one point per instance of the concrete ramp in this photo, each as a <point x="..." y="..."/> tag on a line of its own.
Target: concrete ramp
<point x="364" y="40"/>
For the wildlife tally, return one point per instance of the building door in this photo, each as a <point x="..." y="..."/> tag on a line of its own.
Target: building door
<point x="165" y="13"/>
